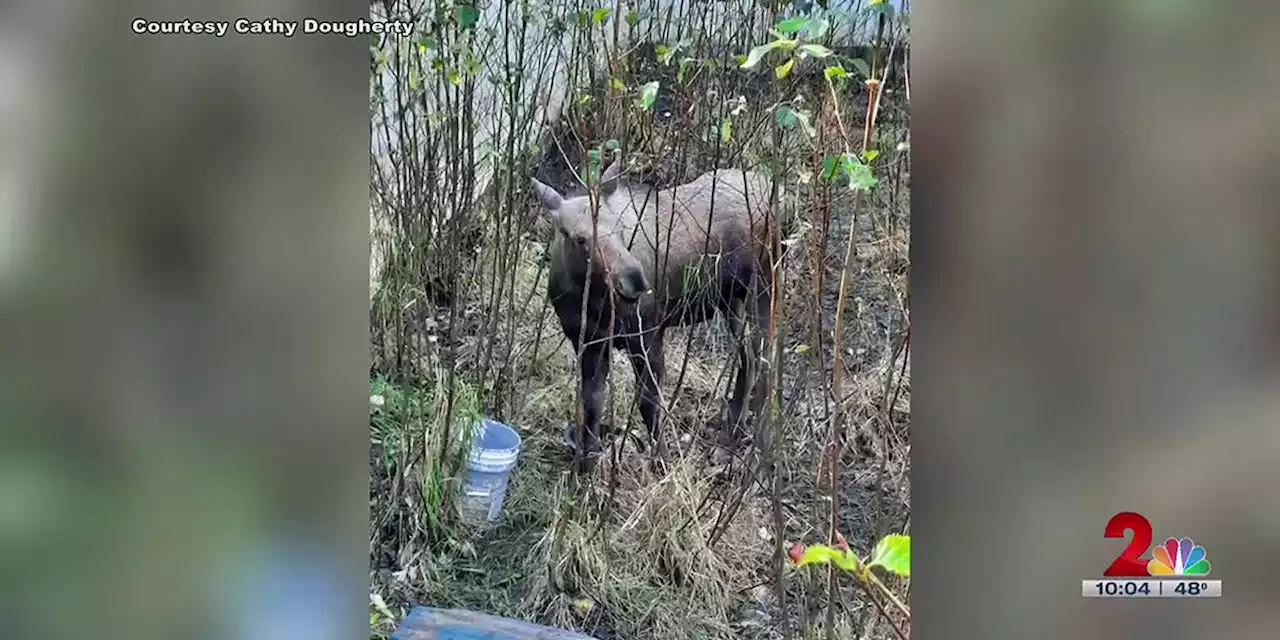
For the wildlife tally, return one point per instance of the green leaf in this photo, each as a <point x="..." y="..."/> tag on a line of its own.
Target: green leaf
<point x="726" y="130"/>
<point x="862" y="66"/>
<point x="785" y="116"/>
<point x="860" y="176"/>
<point x="617" y="84"/>
<point x="870" y="154"/>
<point x="783" y="70"/>
<point x="471" y="64"/>
<point x="815" y="50"/>
<point x="466" y="15"/>
<point x="894" y="554"/>
<point x="801" y="349"/>
<point x="600" y="15"/>
<point x="822" y="554"/>
<point x="665" y="53"/>
<point x="684" y="68"/>
<point x="857" y="175"/>
<point x="593" y="166"/>
<point x="648" y="94"/>
<point x="612" y="144"/>
<point x="757" y="54"/>
<point x="792" y="25"/>
<point x="816" y="554"/>
<point x="818" y="27"/>
<point x="814" y="27"/>
<point x="788" y="118"/>
<point x="454" y="77"/>
<point x="806" y="124"/>
<point x="830" y="168"/>
<point x="486" y="156"/>
<point x="633" y="17"/>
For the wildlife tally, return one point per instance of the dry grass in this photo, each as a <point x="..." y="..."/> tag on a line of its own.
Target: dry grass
<point x="624" y="553"/>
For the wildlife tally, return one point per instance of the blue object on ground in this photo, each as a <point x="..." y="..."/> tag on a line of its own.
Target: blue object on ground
<point x="495" y="447"/>
<point x="428" y="623"/>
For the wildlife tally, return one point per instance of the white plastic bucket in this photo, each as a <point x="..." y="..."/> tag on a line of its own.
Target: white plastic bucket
<point x="495" y="447"/>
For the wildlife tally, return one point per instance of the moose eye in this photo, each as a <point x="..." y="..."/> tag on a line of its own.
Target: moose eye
<point x="581" y="240"/>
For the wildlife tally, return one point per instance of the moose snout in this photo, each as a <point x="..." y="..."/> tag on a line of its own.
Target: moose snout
<point x="631" y="284"/>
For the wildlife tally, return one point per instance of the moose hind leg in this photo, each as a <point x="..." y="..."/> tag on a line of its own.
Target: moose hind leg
<point x="751" y="388"/>
<point x="734" y="426"/>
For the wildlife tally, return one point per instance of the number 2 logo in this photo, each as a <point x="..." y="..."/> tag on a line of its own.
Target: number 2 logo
<point x="1129" y="563"/>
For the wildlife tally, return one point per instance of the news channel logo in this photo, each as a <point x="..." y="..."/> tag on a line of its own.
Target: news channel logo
<point x="1177" y="568"/>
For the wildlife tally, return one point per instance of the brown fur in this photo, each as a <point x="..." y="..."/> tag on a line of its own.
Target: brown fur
<point x="662" y="258"/>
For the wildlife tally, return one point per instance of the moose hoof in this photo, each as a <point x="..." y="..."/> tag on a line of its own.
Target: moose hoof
<point x="727" y="436"/>
<point x="584" y="465"/>
<point x="659" y="454"/>
<point x="594" y="445"/>
<point x="721" y="460"/>
<point x="658" y="465"/>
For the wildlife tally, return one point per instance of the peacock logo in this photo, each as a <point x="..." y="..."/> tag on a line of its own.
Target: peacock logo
<point x="1178" y="558"/>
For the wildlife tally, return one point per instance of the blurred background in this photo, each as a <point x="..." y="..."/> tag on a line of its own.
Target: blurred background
<point x="185" y="328"/>
<point x="185" y="371"/>
<point x="1095" y="277"/>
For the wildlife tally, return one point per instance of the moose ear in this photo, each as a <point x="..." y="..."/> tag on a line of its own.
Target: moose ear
<point x="549" y="198"/>
<point x="611" y="173"/>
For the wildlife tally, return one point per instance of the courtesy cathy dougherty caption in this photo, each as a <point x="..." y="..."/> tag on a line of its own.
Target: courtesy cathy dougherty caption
<point x="271" y="27"/>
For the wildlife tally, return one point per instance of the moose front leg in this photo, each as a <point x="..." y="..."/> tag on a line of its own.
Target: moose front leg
<point x="594" y="365"/>
<point x="761" y="352"/>
<point x="648" y="364"/>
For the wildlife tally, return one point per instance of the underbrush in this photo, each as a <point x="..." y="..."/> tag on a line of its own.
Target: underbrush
<point x="419" y="437"/>
<point x="622" y="553"/>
